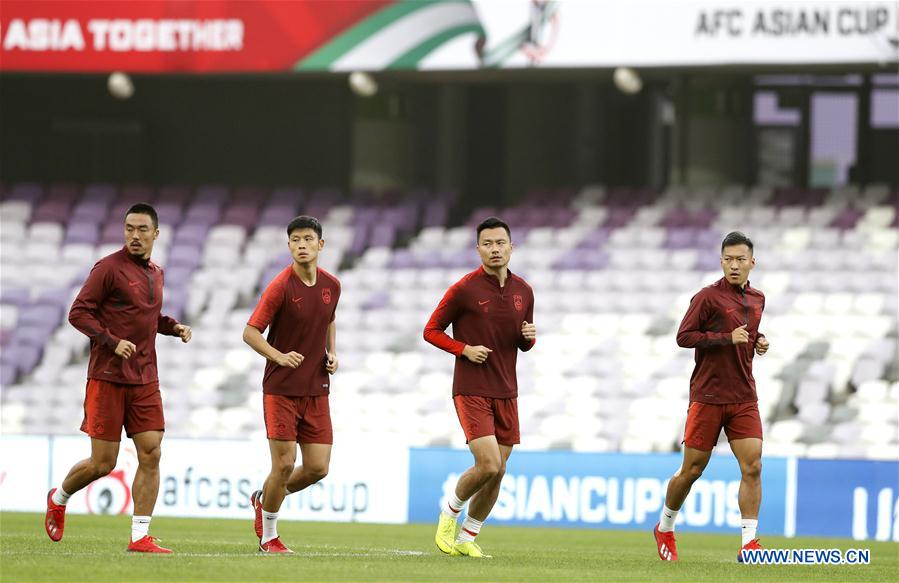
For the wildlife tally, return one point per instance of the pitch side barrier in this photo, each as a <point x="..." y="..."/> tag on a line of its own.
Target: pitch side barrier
<point x="376" y="479"/>
<point x="623" y="491"/>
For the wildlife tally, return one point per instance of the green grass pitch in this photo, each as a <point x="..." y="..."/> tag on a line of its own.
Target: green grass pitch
<point x="225" y="550"/>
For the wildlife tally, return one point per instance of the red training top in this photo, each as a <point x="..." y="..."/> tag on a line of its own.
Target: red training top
<point x="723" y="372"/>
<point x="483" y="313"/>
<point x="299" y="316"/>
<point x="122" y="300"/>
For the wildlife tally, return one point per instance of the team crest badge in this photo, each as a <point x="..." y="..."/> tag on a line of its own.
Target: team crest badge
<point x="519" y="303"/>
<point x="326" y="295"/>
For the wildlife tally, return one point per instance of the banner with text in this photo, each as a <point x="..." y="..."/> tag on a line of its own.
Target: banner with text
<point x="598" y="490"/>
<point x="154" y="36"/>
<point x="848" y="498"/>
<point x="367" y="481"/>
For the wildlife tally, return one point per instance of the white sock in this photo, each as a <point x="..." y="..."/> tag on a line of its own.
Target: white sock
<point x="666" y="519"/>
<point x="140" y="527"/>
<point x="453" y="506"/>
<point x="269" y="526"/>
<point x="60" y="497"/>
<point x="748" y="529"/>
<point x="470" y="529"/>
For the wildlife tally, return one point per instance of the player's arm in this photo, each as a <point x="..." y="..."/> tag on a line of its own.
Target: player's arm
<point x="83" y="313"/>
<point x="528" y="337"/>
<point x="692" y="334"/>
<point x="331" y="363"/>
<point x="761" y="342"/>
<point x="169" y="326"/>
<point x="261" y="318"/>
<point x="253" y="337"/>
<point x="435" y="330"/>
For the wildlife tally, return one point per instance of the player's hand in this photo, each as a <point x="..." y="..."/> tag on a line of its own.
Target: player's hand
<point x="291" y="359"/>
<point x="529" y="331"/>
<point x="761" y="345"/>
<point x="476" y="354"/>
<point x="740" y="335"/>
<point x="125" y="349"/>
<point x="184" y="332"/>
<point x="331" y="363"/>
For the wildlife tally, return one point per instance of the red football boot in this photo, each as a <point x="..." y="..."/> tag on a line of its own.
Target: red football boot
<point x="666" y="545"/>
<point x="55" y="519"/>
<point x="146" y="544"/>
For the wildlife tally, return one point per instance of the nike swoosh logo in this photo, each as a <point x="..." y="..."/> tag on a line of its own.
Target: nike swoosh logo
<point x="133" y="283"/>
<point x="730" y="310"/>
<point x="480" y="303"/>
<point x="297" y="300"/>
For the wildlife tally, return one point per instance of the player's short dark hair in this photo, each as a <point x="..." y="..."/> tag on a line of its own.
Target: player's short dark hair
<point x="493" y="223"/>
<point x="736" y="238"/>
<point x="305" y="222"/>
<point x="143" y="208"/>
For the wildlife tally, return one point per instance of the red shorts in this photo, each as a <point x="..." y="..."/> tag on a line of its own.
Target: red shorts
<point x="483" y="416"/>
<point x="705" y="421"/>
<point x="300" y="419"/>
<point x="109" y="406"/>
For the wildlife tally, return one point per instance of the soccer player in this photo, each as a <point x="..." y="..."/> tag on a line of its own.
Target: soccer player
<point x="119" y="309"/>
<point x="300" y="305"/>
<point x="722" y="324"/>
<point x="491" y="311"/>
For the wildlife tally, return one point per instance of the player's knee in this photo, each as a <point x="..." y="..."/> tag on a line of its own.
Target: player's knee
<point x="490" y="468"/>
<point x="283" y="469"/>
<point x="102" y="467"/>
<point x="149" y="458"/>
<point x="752" y="470"/>
<point x="318" y="473"/>
<point x="694" y="472"/>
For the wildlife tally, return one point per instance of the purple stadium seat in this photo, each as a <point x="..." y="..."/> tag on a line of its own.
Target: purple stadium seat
<point x="63" y="191"/>
<point x="278" y="213"/>
<point x="177" y="193"/>
<point x="708" y="261"/>
<point x="482" y="213"/>
<point x="134" y="193"/>
<point x="595" y="260"/>
<point x="847" y="218"/>
<point x="191" y="233"/>
<point x="245" y="214"/>
<point x="113" y="232"/>
<point x="170" y="213"/>
<point x="177" y="276"/>
<point x="376" y="300"/>
<point x="26" y="191"/>
<point x="43" y="316"/>
<point x="382" y="236"/>
<point x="55" y="297"/>
<point x="85" y="233"/>
<point x="287" y="195"/>
<point x="594" y="239"/>
<point x="89" y="212"/>
<point x="16" y="296"/>
<point x="402" y="259"/>
<point x="7" y="374"/>
<point x="212" y="193"/>
<point x="360" y="240"/>
<point x="98" y="192"/>
<point x="185" y="255"/>
<point x="680" y="238"/>
<point x="30" y="335"/>
<point x="249" y="194"/>
<point x="436" y="214"/>
<point x="52" y="210"/>
<point x="619" y="216"/>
